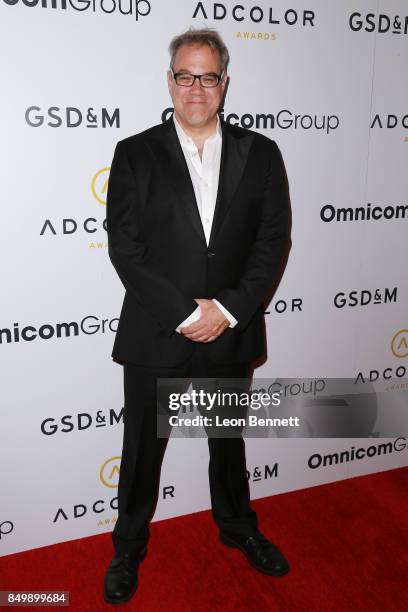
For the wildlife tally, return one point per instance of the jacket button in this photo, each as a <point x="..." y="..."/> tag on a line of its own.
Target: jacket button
<point x="210" y="254"/>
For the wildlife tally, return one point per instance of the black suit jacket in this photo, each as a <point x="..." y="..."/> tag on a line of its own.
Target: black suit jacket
<point x="157" y="243"/>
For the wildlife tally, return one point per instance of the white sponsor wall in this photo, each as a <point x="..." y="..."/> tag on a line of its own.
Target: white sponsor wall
<point x="328" y="82"/>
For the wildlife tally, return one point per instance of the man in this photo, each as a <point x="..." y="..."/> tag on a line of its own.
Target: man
<point x="197" y="215"/>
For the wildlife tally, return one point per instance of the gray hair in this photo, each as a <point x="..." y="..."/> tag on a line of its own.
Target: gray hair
<point x="204" y="36"/>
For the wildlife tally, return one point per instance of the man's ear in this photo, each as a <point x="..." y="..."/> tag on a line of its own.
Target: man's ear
<point x="169" y="79"/>
<point x="224" y="80"/>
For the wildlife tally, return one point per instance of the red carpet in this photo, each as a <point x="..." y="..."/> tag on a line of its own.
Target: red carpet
<point x="347" y="544"/>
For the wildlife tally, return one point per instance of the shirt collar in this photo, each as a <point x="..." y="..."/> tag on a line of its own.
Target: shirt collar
<point x="187" y="140"/>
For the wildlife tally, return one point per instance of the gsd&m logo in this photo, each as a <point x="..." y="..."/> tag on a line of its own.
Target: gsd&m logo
<point x="381" y="23"/>
<point x="365" y="297"/>
<point x="399" y="344"/>
<point x="80" y="422"/>
<point x="265" y="472"/>
<point x="72" y="117"/>
<point x="138" y="8"/>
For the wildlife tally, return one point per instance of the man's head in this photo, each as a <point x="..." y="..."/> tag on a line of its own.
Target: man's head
<point x="197" y="52"/>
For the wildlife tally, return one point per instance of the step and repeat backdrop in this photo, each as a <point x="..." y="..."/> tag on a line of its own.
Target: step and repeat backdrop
<point x="327" y="81"/>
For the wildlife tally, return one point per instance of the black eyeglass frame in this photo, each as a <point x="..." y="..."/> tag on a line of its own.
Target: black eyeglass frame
<point x="198" y="76"/>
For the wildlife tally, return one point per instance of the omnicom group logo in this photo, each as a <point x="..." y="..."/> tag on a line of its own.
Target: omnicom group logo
<point x="135" y="8"/>
<point x="284" y="119"/>
<point x="89" y="325"/>
<point x="369" y="212"/>
<point x="355" y="454"/>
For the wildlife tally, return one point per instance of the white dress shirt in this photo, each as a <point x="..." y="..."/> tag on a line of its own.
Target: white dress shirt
<point x="204" y="173"/>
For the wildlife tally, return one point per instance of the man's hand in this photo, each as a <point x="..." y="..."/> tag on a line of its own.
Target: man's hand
<point x="209" y="326"/>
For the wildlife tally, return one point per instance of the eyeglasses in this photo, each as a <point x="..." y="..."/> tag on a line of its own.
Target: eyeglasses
<point x="186" y="79"/>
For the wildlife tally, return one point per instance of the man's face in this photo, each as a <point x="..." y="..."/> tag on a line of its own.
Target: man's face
<point x="196" y="106"/>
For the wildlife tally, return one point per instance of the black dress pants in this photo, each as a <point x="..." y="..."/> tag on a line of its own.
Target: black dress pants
<point x="143" y="452"/>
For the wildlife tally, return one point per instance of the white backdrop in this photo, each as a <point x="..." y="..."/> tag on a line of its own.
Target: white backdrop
<point x="340" y="67"/>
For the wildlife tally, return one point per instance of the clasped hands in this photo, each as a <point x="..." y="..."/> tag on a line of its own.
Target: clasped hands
<point x="211" y="324"/>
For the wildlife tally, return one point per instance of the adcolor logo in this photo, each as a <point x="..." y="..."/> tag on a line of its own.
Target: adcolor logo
<point x="96" y="226"/>
<point x="396" y="125"/>
<point x="399" y="343"/>
<point x="389" y="122"/>
<point x="109" y="472"/>
<point x="99" y="185"/>
<point x="255" y="14"/>
<point x="399" y="348"/>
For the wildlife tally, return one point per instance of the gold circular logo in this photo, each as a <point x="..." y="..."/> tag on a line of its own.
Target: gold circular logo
<point x="399" y="343"/>
<point x="99" y="185"/>
<point x="109" y="472"/>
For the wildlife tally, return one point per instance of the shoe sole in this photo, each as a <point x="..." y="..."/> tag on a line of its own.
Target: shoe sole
<point x="233" y="544"/>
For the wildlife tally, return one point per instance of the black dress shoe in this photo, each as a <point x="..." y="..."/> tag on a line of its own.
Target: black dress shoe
<point x="261" y="554"/>
<point x="121" y="577"/>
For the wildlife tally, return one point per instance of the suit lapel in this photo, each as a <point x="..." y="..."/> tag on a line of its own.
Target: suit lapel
<point x="176" y="170"/>
<point x="234" y="155"/>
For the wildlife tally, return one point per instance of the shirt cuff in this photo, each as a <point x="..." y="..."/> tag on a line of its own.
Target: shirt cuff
<point x="232" y="320"/>
<point x="195" y="315"/>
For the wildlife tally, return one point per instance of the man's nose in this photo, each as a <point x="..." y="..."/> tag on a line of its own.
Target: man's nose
<point x="197" y="85"/>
